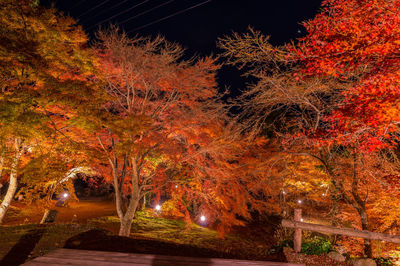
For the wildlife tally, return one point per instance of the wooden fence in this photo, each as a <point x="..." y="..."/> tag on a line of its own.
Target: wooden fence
<point x="298" y="225"/>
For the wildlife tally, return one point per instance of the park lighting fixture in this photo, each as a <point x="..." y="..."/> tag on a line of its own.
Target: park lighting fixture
<point x="65" y="195"/>
<point x="203" y="218"/>
<point x="158" y="207"/>
<point x="301" y="220"/>
<point x="283" y="192"/>
<point x="299" y="201"/>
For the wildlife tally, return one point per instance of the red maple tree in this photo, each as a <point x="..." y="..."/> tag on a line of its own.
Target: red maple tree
<point x="357" y="42"/>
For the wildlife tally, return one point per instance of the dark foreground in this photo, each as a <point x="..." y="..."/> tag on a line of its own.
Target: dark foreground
<point x="90" y="225"/>
<point x="99" y="258"/>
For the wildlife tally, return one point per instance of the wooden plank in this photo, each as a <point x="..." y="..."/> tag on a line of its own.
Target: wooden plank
<point x="341" y="231"/>
<point x="100" y="258"/>
<point x="297" y="232"/>
<point x="73" y="261"/>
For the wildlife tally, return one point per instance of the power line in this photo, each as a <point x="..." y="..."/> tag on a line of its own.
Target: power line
<point x="102" y="3"/>
<point x="120" y="13"/>
<point x="170" y="16"/>
<point x="77" y="4"/>
<point x="145" y="12"/>
<point x="105" y="10"/>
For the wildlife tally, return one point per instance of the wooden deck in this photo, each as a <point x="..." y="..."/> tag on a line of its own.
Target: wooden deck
<point x="100" y="258"/>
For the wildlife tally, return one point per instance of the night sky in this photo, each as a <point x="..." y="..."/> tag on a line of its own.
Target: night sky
<point x="196" y="24"/>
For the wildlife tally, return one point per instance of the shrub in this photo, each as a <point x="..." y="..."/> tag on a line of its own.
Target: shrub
<point x="316" y="246"/>
<point x="381" y="261"/>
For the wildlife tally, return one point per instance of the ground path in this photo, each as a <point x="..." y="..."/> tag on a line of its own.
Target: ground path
<point x="99" y="258"/>
<point x="75" y="212"/>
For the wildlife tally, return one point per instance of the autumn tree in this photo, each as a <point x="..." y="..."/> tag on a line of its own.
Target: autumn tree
<point x="335" y="91"/>
<point x="357" y="42"/>
<point x="152" y="92"/>
<point x="164" y="131"/>
<point x="223" y="175"/>
<point x="50" y="168"/>
<point x="45" y="72"/>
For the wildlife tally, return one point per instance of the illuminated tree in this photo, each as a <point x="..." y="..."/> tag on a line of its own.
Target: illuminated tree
<point x="45" y="71"/>
<point x="153" y="92"/>
<point x="224" y="176"/>
<point x="165" y="132"/>
<point x="357" y="42"/>
<point x="336" y="91"/>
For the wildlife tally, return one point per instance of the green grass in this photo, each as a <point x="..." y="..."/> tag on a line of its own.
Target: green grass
<point x="147" y="226"/>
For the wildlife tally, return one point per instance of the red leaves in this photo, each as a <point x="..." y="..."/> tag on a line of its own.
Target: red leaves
<point x="358" y="41"/>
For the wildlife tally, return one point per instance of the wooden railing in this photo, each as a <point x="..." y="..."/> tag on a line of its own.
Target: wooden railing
<point x="298" y="225"/>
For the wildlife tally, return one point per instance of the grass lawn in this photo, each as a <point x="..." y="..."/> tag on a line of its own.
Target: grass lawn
<point x="248" y="244"/>
<point x="22" y="242"/>
<point x="150" y="234"/>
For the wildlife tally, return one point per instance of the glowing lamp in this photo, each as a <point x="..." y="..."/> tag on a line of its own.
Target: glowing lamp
<point x="203" y="218"/>
<point x="299" y="201"/>
<point x="301" y="220"/>
<point x="65" y="195"/>
<point x="158" y="207"/>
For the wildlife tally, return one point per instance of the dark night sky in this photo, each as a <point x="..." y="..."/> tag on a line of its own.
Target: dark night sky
<point x="196" y="29"/>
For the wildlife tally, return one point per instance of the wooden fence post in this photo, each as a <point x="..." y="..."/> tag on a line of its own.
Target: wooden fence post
<point x="297" y="232"/>
<point x="324" y="229"/>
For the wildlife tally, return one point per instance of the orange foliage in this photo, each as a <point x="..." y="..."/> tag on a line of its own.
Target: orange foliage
<point x="358" y="42"/>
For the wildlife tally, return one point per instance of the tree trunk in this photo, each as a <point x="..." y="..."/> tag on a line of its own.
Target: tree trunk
<point x="364" y="225"/>
<point x="1" y="169"/>
<point x="144" y="203"/>
<point x="126" y="217"/>
<point x="1" y="164"/>
<point x="12" y="187"/>
<point x="126" y="221"/>
<point x="125" y="227"/>
<point x="51" y="192"/>
<point x="360" y="206"/>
